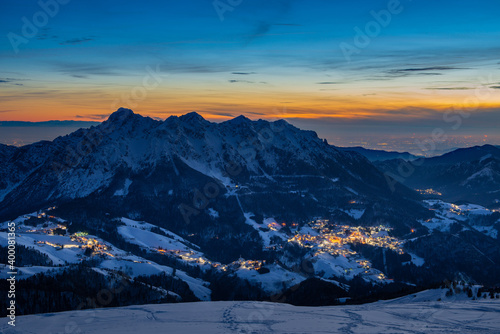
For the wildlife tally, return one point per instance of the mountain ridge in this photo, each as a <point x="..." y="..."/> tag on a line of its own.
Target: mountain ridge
<point x="86" y="161"/>
<point x="467" y="174"/>
<point x="380" y="155"/>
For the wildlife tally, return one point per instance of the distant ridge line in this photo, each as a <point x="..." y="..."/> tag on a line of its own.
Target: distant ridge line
<point x="80" y="124"/>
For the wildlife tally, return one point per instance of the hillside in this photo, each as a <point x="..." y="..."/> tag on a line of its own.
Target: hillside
<point x="468" y="174"/>
<point x="437" y="314"/>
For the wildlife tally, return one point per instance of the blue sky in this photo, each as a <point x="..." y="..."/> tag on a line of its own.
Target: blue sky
<point x="265" y="59"/>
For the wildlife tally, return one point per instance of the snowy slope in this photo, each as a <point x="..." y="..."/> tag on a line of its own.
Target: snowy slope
<point x="274" y="281"/>
<point x="398" y="316"/>
<point x="67" y="249"/>
<point x="448" y="214"/>
<point x="139" y="233"/>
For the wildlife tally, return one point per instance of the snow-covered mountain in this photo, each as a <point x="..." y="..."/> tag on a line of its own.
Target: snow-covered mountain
<point x="128" y="140"/>
<point x="273" y="166"/>
<point x="467" y="174"/>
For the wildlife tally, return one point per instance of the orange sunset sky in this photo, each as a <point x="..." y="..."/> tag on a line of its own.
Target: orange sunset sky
<point x="335" y="67"/>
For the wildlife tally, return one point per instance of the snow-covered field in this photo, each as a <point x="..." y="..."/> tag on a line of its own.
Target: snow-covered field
<point x="448" y="214"/>
<point x="64" y="250"/>
<point x="420" y="313"/>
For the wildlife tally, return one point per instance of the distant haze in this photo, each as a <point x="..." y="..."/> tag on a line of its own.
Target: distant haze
<point x="49" y="124"/>
<point x="24" y="135"/>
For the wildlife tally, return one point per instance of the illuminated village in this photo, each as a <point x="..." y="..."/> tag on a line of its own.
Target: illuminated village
<point x="56" y="228"/>
<point x="79" y="240"/>
<point x="429" y="191"/>
<point x="196" y="259"/>
<point x="320" y="237"/>
<point x="333" y="238"/>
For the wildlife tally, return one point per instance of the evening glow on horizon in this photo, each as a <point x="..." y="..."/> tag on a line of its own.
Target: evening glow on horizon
<point x="333" y="66"/>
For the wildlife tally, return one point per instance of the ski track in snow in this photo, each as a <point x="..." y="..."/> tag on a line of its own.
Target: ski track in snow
<point x="394" y="316"/>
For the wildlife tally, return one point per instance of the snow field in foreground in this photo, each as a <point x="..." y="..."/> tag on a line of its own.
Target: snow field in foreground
<point x="420" y="313"/>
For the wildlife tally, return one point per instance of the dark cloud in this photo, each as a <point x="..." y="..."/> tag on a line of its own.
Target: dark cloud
<point x="76" y="41"/>
<point x="495" y="87"/>
<point x="432" y="70"/>
<point x="225" y="114"/>
<point x="244" y="81"/>
<point x="247" y="81"/>
<point x="80" y="70"/>
<point x="327" y="83"/>
<point x="449" y="88"/>
<point x="45" y="33"/>
<point x="94" y="116"/>
<point x="243" y="73"/>
<point x="263" y="27"/>
<point x="256" y="113"/>
<point x="400" y="73"/>
<point x="414" y="119"/>
<point x="171" y="67"/>
<point x="430" y="73"/>
<point x="378" y="79"/>
<point x="11" y="81"/>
